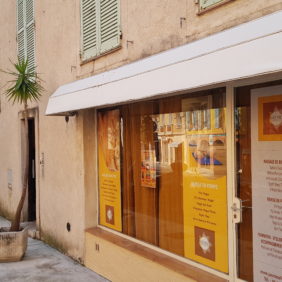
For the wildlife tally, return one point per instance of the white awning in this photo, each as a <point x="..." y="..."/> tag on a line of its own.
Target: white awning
<point x="250" y="49"/>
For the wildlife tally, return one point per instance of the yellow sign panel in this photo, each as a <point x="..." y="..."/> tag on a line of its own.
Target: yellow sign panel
<point x="205" y="202"/>
<point x="109" y="169"/>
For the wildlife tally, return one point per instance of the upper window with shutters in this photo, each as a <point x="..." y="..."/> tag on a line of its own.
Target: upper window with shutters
<point x="25" y="31"/>
<point x="100" y="27"/>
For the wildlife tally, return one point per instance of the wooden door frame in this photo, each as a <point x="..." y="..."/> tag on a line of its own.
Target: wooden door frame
<point x="33" y="113"/>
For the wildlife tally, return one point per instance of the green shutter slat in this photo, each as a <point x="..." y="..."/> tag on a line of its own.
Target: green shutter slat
<point x="108" y="7"/>
<point x="26" y="33"/>
<point x="88" y="45"/>
<point x="108" y="36"/>
<point x="21" y="29"/>
<point x="86" y="4"/>
<point x="30" y="46"/>
<point x="20" y="18"/>
<point x="89" y="29"/>
<point x="108" y="20"/>
<point x="21" y="45"/>
<point x="107" y="15"/>
<point x="29" y="11"/>
<point x="107" y="3"/>
<point x="109" y="25"/>
<point x="90" y="37"/>
<point x="89" y="22"/>
<point x="88" y="15"/>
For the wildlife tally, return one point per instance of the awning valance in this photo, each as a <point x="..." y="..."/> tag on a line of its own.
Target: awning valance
<point x="247" y="50"/>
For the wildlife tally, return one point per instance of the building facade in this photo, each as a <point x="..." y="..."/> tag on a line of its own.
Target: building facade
<point x="156" y="146"/>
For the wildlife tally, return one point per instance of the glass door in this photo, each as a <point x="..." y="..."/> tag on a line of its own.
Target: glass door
<point x="258" y="129"/>
<point x="244" y="184"/>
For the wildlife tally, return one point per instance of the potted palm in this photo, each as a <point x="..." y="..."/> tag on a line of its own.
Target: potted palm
<point x="24" y="87"/>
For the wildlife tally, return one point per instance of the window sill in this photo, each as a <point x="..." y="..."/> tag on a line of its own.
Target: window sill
<point x="155" y="256"/>
<point x="83" y="62"/>
<point x="203" y="11"/>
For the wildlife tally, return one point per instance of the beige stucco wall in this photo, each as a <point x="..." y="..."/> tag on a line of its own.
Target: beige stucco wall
<point x="60" y="183"/>
<point x="61" y="142"/>
<point x="152" y="26"/>
<point x="66" y="185"/>
<point x="9" y="123"/>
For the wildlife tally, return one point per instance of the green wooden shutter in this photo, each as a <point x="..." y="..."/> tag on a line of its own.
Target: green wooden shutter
<point x="25" y="29"/>
<point x="30" y="46"/>
<point x="20" y="29"/>
<point x="208" y="3"/>
<point x="109" y="25"/>
<point x="89" y="29"/>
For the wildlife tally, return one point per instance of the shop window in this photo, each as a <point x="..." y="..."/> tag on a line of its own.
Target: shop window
<point x="162" y="174"/>
<point x="100" y="27"/>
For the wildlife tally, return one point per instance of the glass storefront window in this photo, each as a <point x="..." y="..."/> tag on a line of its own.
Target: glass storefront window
<point x="162" y="174"/>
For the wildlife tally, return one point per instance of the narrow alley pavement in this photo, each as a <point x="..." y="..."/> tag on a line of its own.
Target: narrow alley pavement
<point x="45" y="264"/>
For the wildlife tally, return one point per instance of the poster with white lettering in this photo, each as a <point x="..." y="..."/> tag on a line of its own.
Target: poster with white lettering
<point x="266" y="115"/>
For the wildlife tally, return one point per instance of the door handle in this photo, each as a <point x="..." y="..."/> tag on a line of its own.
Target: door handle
<point x="237" y="210"/>
<point x="234" y="207"/>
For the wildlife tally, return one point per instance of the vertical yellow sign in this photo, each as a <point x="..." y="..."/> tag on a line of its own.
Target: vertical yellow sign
<point x="109" y="169"/>
<point x="205" y="202"/>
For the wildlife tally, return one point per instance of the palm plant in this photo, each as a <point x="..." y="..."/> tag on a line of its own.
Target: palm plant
<point x="24" y="88"/>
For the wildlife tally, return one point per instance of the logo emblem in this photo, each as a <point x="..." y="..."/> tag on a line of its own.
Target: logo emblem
<point x="205" y="243"/>
<point x="275" y="118"/>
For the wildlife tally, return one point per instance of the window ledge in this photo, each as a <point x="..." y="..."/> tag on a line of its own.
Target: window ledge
<point x="203" y="11"/>
<point x="83" y="62"/>
<point x="155" y="256"/>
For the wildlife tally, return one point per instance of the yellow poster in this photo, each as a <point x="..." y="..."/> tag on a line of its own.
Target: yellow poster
<point x="205" y="201"/>
<point x="109" y="169"/>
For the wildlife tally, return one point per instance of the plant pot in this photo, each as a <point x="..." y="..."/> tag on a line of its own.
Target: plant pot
<point x="12" y="244"/>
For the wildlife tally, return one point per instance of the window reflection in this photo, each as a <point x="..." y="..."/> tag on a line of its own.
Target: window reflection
<point x="171" y="146"/>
